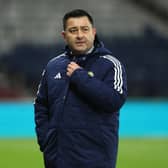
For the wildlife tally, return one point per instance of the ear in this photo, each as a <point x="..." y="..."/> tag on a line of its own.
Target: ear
<point x="94" y="31"/>
<point x="63" y="34"/>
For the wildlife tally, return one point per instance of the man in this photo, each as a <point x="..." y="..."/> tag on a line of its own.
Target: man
<point x="78" y="100"/>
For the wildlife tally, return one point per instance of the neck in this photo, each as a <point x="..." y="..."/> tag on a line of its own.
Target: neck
<point x="87" y="52"/>
<point x="90" y="50"/>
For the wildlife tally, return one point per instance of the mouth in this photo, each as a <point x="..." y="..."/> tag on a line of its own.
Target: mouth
<point x="80" y="42"/>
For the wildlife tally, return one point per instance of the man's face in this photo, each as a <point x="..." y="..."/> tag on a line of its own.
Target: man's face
<point x="79" y="34"/>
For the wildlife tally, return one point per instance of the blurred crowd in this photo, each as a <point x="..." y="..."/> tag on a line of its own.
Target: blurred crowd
<point x="136" y="33"/>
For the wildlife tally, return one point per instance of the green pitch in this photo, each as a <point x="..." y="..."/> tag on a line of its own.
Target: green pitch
<point x="143" y="153"/>
<point x="133" y="153"/>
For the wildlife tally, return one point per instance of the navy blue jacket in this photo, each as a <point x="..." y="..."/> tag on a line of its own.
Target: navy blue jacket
<point x="77" y="117"/>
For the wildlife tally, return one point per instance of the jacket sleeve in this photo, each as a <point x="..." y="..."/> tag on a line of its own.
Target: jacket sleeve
<point x="108" y="94"/>
<point x="41" y="112"/>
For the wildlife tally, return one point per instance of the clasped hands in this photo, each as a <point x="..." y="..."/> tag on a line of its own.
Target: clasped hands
<point x="72" y="66"/>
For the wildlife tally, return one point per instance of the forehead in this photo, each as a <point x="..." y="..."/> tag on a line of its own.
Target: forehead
<point x="78" y="21"/>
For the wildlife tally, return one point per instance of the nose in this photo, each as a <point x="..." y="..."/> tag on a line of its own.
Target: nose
<point x="79" y="34"/>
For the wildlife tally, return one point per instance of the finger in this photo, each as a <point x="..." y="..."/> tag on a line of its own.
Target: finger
<point x="69" y="71"/>
<point x="68" y="74"/>
<point x="70" y="65"/>
<point x="69" y="68"/>
<point x="73" y="63"/>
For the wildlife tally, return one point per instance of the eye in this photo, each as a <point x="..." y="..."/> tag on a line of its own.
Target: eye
<point x="73" y="30"/>
<point x="85" y="29"/>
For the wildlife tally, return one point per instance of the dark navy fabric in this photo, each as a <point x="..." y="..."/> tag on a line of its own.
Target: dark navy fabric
<point x="77" y="118"/>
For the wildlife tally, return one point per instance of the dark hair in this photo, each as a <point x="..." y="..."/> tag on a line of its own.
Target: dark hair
<point x="74" y="14"/>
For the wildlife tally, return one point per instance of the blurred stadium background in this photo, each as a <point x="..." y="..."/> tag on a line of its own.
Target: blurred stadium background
<point x="137" y="33"/>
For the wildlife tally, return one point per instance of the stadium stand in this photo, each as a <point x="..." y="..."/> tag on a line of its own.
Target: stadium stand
<point x="30" y="36"/>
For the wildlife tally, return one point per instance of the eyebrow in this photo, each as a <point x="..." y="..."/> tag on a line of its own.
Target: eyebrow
<point x="74" y="27"/>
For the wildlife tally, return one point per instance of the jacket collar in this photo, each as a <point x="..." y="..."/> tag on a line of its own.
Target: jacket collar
<point x="98" y="49"/>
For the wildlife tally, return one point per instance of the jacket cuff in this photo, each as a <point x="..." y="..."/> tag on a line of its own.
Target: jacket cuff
<point x="76" y="75"/>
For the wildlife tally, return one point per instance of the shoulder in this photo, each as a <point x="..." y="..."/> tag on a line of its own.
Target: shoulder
<point x="57" y="59"/>
<point x="111" y="62"/>
<point x="106" y="57"/>
<point x="57" y="62"/>
<point x="109" y="59"/>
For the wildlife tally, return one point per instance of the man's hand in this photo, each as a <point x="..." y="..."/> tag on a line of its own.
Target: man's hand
<point x="72" y="66"/>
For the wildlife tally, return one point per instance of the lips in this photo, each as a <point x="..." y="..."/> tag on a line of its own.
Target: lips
<point x="80" y="43"/>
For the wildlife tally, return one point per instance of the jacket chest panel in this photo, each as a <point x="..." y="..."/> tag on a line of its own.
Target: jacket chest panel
<point x="57" y="84"/>
<point x="99" y="70"/>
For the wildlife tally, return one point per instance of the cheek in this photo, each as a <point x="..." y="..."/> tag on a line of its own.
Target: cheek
<point x="91" y="38"/>
<point x="69" y="39"/>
